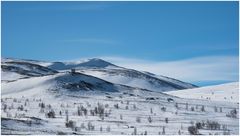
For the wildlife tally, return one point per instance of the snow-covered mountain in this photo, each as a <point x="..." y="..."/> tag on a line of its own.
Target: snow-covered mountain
<point x="136" y="78"/>
<point x="89" y="63"/>
<point x="119" y="75"/>
<point x="41" y="97"/>
<point x="107" y="71"/>
<point x="17" y="69"/>
<point x="74" y="84"/>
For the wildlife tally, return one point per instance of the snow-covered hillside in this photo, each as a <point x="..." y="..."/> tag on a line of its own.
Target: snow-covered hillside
<point x="81" y="102"/>
<point x="104" y="70"/>
<point x="67" y="83"/>
<point x="135" y="78"/>
<point x="17" y="69"/>
<point x="225" y="92"/>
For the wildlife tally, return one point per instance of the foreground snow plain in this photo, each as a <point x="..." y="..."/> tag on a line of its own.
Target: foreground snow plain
<point x="100" y="107"/>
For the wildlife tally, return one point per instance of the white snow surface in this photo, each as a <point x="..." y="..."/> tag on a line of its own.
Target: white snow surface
<point x="112" y="73"/>
<point x="10" y="76"/>
<point x="136" y="79"/>
<point x="65" y="91"/>
<point x="228" y="92"/>
<point x="49" y="89"/>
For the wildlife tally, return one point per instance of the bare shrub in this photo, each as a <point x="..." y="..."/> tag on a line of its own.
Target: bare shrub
<point x="138" y="120"/>
<point x="70" y="124"/>
<point x="163" y="109"/>
<point x="193" y="130"/>
<point x="149" y="119"/>
<point x="232" y="113"/>
<point x="50" y="114"/>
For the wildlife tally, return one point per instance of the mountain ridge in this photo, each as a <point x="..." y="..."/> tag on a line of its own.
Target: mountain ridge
<point x="106" y="71"/>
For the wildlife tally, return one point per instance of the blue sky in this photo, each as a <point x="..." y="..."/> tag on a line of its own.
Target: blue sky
<point x="143" y="32"/>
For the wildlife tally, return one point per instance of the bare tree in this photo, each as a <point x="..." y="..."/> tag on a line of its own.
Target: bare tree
<point x="163" y="109"/>
<point x="186" y="106"/>
<point x="179" y="132"/>
<point x="90" y="126"/>
<point x="134" y="106"/>
<point x="79" y="111"/>
<point x="215" y="109"/>
<point x="181" y="126"/>
<point x="106" y="105"/>
<point x="202" y="108"/>
<point x="138" y="119"/>
<point x="20" y="108"/>
<point x="66" y="112"/>
<point x="108" y="129"/>
<point x="149" y="119"/>
<point x="82" y="126"/>
<point x="176" y="105"/>
<point x="42" y="105"/>
<point x="121" y="117"/>
<point x="116" y="106"/>
<point x="71" y="124"/>
<point x="135" y="131"/>
<point x="4" y="107"/>
<point x="163" y="130"/>
<point x="85" y="111"/>
<point x="50" y="114"/>
<point x="193" y="130"/>
<point x="151" y="110"/>
<point x="166" y="120"/>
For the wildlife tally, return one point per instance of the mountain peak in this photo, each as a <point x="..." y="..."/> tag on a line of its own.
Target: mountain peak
<point x="96" y="62"/>
<point x="89" y="63"/>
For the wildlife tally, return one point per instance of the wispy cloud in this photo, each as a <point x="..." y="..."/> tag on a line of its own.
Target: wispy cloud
<point x="207" y="68"/>
<point x="86" y="6"/>
<point x="211" y="47"/>
<point x="91" y="41"/>
<point x="68" y="6"/>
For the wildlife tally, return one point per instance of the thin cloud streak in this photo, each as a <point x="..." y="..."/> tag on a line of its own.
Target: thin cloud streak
<point x="91" y="41"/>
<point x="208" y="68"/>
<point x="200" y="47"/>
<point x="68" y="6"/>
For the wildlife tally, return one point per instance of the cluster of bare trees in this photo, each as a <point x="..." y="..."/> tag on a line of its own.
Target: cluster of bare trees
<point x="192" y="108"/>
<point x="232" y="113"/>
<point x="209" y="125"/>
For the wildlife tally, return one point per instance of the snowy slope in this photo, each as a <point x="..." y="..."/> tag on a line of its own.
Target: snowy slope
<point x="178" y="82"/>
<point x="65" y="91"/>
<point x="17" y="69"/>
<point x="10" y="76"/>
<point x="225" y="92"/>
<point x="69" y="84"/>
<point x="98" y="68"/>
<point x="132" y="101"/>
<point x="135" y="78"/>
